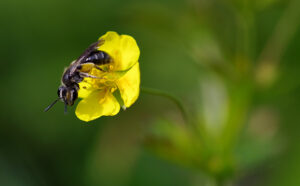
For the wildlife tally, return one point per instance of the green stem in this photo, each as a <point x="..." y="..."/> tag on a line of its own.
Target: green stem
<point x="169" y="96"/>
<point x="284" y="31"/>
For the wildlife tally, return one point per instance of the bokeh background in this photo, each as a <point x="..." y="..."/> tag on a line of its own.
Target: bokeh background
<point x="234" y="64"/>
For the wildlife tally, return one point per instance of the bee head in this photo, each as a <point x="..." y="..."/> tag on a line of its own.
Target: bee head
<point x="67" y="94"/>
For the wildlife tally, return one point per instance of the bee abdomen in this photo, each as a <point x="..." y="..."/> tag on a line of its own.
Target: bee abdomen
<point x="98" y="58"/>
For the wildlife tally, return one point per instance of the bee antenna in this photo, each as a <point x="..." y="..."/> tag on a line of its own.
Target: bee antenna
<point x="51" y="105"/>
<point x="66" y="108"/>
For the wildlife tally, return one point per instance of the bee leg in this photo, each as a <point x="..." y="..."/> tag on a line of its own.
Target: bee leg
<point x="98" y="68"/>
<point x="89" y="66"/>
<point x="83" y="74"/>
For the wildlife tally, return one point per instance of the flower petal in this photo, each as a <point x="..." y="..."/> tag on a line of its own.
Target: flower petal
<point x="123" y="49"/>
<point x="111" y="43"/>
<point x="130" y="53"/>
<point x="129" y="85"/>
<point x="97" y="104"/>
<point x="85" y="88"/>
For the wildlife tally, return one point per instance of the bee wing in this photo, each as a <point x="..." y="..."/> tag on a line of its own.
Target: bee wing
<point x="85" y="54"/>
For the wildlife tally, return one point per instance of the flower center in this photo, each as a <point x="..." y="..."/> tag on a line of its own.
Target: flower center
<point x="105" y="78"/>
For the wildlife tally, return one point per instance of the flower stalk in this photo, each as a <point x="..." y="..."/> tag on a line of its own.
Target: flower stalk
<point x="169" y="96"/>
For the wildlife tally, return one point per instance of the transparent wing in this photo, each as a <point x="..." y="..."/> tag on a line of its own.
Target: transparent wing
<point x="85" y="54"/>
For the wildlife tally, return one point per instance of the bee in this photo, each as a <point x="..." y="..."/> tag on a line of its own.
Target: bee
<point x="73" y="75"/>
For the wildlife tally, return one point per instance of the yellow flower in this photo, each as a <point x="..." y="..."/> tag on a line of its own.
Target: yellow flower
<point x="121" y="76"/>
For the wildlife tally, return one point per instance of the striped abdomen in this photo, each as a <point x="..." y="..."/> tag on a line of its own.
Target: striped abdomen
<point x="98" y="58"/>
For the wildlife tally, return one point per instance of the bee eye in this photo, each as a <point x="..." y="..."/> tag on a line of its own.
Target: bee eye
<point x="61" y="92"/>
<point x="58" y="92"/>
<point x="74" y="94"/>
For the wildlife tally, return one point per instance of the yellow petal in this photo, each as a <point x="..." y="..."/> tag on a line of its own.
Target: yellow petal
<point x="129" y="85"/>
<point x="130" y="53"/>
<point x="85" y="89"/>
<point x="97" y="104"/>
<point x="111" y="43"/>
<point x="123" y="49"/>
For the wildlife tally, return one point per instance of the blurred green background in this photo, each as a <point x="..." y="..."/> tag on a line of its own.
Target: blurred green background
<point x="234" y="64"/>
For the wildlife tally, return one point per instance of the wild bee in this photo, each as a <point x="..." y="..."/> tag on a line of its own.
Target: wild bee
<point x="68" y="91"/>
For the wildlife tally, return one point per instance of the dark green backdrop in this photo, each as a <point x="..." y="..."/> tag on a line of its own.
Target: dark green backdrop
<point x="39" y="38"/>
